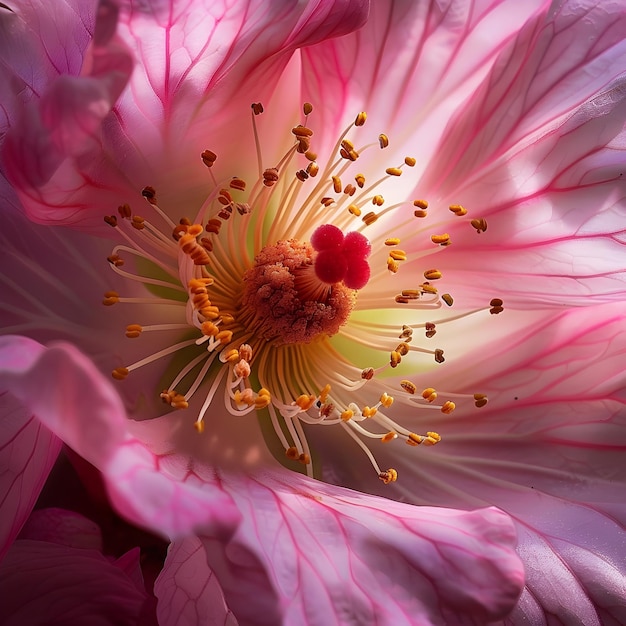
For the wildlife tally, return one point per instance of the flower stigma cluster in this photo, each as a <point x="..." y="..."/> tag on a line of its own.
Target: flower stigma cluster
<point x="262" y="279"/>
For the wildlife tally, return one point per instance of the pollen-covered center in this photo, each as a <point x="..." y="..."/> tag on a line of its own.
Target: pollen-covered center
<point x="286" y="303"/>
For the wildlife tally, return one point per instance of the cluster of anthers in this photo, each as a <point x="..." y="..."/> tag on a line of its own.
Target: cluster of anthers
<point x="265" y="281"/>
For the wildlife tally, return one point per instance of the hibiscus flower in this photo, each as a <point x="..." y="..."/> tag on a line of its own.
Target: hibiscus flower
<point x="281" y="285"/>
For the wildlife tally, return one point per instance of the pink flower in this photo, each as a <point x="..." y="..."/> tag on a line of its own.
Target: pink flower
<point x="508" y="118"/>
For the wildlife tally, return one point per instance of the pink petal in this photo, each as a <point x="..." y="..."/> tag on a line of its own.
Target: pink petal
<point x="336" y="557"/>
<point x="63" y="527"/>
<point x="200" y="65"/>
<point x="187" y="591"/>
<point x="28" y="451"/>
<point x="67" y="394"/>
<point x="67" y="586"/>
<point x="548" y="449"/>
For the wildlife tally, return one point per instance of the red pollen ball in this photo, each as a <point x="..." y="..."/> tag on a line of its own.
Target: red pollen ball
<point x="357" y="275"/>
<point x="356" y="245"/>
<point x="330" y="266"/>
<point x="327" y="237"/>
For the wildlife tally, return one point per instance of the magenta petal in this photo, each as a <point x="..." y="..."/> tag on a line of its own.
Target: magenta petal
<point x="28" y="451"/>
<point x="339" y="557"/>
<point x="63" y="527"/>
<point x="187" y="590"/>
<point x="67" y="394"/>
<point x="67" y="586"/>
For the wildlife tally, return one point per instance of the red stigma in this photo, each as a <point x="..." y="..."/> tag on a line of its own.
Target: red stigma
<point x="341" y="258"/>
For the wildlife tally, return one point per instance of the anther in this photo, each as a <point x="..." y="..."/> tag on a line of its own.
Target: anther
<point x="307" y="108"/>
<point x="257" y="108"/>
<point x="386" y="400"/>
<point x="395" y="358"/>
<point x="347" y="415"/>
<point x="439" y="358"/>
<point x="496" y="306"/>
<point x="432" y="274"/>
<point x="442" y="240"/>
<point x="120" y="373"/>
<point x="430" y="329"/>
<point x="138" y="222"/>
<point x="111" y="220"/>
<point x="354" y="210"/>
<point x="414" y="439"/>
<point x="383" y="140"/>
<point x="431" y="438"/>
<point x="408" y="386"/>
<point x="292" y="453"/>
<point x="390" y="436"/>
<point x="390" y="476"/>
<point x="410" y="161"/>
<point x="369" y="218"/>
<point x="305" y="402"/>
<point x="369" y="411"/>
<point x="133" y="331"/>
<point x="429" y="394"/>
<point x="326" y="201"/>
<point x="349" y="190"/>
<point x="480" y="399"/>
<point x="301" y="175"/>
<point x="199" y="426"/>
<point x="479" y="224"/>
<point x="115" y="260"/>
<point x="238" y="183"/>
<point x="448" y="299"/>
<point x="393" y="241"/>
<point x="394" y="171"/>
<point x="398" y="255"/>
<point x="378" y="200"/>
<point x="448" y="407"/>
<point x="242" y="369"/>
<point x="360" y="119"/>
<point x="311" y="156"/>
<point x="124" y="210"/>
<point x="208" y="158"/>
<point x="367" y="373"/>
<point x="457" y="209"/>
<point x="337" y="184"/>
<point x="360" y="180"/>
<point x="110" y="298"/>
<point x="305" y="459"/>
<point x="402" y="348"/>
<point x="313" y="169"/>
<point x="149" y="193"/>
<point x="302" y="131"/>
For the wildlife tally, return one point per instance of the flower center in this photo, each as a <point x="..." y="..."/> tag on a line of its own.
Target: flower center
<point x="260" y="283"/>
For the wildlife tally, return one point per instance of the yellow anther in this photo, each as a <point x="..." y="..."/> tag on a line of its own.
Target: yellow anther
<point x="390" y="436"/>
<point x="199" y="426"/>
<point x="369" y="218"/>
<point x="354" y="209"/>
<point x="302" y="131"/>
<point x="224" y="336"/>
<point x="305" y="402"/>
<point x="347" y="145"/>
<point x="479" y="224"/>
<point x="428" y="288"/>
<point x="292" y="453"/>
<point x="408" y="386"/>
<point x="412" y="294"/>
<point x="227" y="319"/>
<point x="313" y="169"/>
<point x="431" y="438"/>
<point x="133" y="331"/>
<point x="210" y="312"/>
<point x="305" y="459"/>
<point x="442" y="240"/>
<point x="209" y="329"/>
<point x="398" y="255"/>
<point x="208" y="158"/>
<point x="195" y="229"/>
<point x="237" y="183"/>
<point x="448" y="407"/>
<point x="420" y="213"/>
<point x="390" y="476"/>
<point x="324" y="393"/>
<point x="231" y="356"/>
<point x="360" y="119"/>
<point x="307" y="108"/>
<point x="394" y="171"/>
<point x="432" y="274"/>
<point x="360" y="180"/>
<point x="414" y="440"/>
<point x="420" y="204"/>
<point x="244" y="397"/>
<point x="480" y="399"/>
<point x="386" y="400"/>
<point x="448" y="299"/>
<point x="392" y="265"/>
<point x="310" y="155"/>
<point x="120" y="373"/>
<point x="392" y="241"/>
<point x="378" y="200"/>
<point x="369" y="411"/>
<point x="402" y="349"/>
<point x="429" y="394"/>
<point x="110" y="298"/>
<point x="383" y="140"/>
<point x="263" y="399"/>
<point x="410" y="161"/>
<point x="367" y="373"/>
<point x="347" y="415"/>
<point x="395" y="358"/>
<point x="178" y="402"/>
<point x="457" y="209"/>
<point x="257" y="108"/>
<point x="337" y="184"/>
<point x="402" y="299"/>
